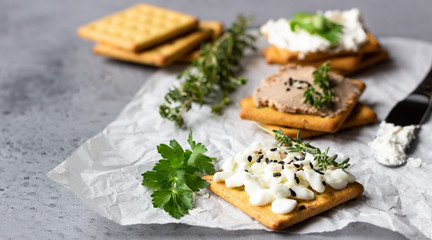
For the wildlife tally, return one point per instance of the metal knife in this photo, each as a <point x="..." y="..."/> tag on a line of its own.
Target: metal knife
<point x="413" y="110"/>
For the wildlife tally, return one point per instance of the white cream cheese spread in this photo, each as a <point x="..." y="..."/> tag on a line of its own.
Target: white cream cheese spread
<point x="353" y="35"/>
<point x="272" y="175"/>
<point x="390" y="143"/>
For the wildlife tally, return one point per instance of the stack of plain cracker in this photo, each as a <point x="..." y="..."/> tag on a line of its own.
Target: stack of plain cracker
<point x="344" y="62"/>
<point x="356" y="114"/>
<point x="150" y="35"/>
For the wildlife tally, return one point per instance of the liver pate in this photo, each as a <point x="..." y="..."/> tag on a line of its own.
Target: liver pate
<point x="284" y="91"/>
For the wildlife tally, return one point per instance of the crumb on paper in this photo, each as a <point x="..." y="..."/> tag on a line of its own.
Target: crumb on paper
<point x="414" y="162"/>
<point x="197" y="210"/>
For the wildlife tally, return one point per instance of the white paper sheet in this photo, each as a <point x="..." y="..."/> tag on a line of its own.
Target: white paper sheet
<point x="105" y="172"/>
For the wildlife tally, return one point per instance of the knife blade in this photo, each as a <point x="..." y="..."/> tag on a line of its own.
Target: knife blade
<point x="413" y="110"/>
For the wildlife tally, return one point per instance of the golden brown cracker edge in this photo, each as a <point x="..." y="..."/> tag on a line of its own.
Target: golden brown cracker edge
<point x="367" y="61"/>
<point x="216" y="27"/>
<point x="360" y="115"/>
<point x="330" y="198"/>
<point x="161" y="55"/>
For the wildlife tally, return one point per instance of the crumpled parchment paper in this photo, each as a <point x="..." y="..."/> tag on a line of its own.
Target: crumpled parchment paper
<point x="105" y="172"/>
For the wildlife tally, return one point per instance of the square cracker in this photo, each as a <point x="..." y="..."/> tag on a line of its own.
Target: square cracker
<point x="360" y="115"/>
<point x="216" y="27"/>
<point x="271" y="116"/>
<point x="139" y="27"/>
<point x="275" y="55"/>
<point x="347" y="65"/>
<point x="368" y="60"/>
<point x="330" y="198"/>
<point x="161" y="55"/>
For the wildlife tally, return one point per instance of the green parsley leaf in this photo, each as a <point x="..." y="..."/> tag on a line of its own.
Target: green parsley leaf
<point x="323" y="97"/>
<point x="175" y="177"/>
<point x="318" y="25"/>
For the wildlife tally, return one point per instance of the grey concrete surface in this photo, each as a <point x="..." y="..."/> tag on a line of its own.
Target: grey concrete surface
<point x="55" y="94"/>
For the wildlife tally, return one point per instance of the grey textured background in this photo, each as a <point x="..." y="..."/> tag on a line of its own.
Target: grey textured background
<point x="55" y="94"/>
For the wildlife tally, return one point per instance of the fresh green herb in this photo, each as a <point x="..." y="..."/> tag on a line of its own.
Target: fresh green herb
<point x="175" y="177"/>
<point x="297" y="145"/>
<point x="323" y="97"/>
<point x="316" y="24"/>
<point x="211" y="77"/>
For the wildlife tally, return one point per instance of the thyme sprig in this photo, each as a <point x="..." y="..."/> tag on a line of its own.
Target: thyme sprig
<point x="212" y="76"/>
<point x="322" y="97"/>
<point x="297" y="145"/>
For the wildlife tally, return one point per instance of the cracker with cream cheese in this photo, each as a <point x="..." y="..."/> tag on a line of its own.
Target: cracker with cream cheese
<point x="275" y="55"/>
<point x="330" y="198"/>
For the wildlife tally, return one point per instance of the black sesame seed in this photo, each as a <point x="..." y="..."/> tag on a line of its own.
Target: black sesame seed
<point x="310" y="165"/>
<point x="290" y="161"/>
<point x="267" y="160"/>
<point x="285" y="83"/>
<point x="246" y="170"/>
<point x="318" y="172"/>
<point x="302" y="158"/>
<point x="278" y="174"/>
<point x="259" y="152"/>
<point x="296" y="165"/>
<point x="290" y="81"/>
<point x="302" y="207"/>
<point x="299" y="88"/>
<point x="282" y="162"/>
<point x="259" y="158"/>
<point x="324" y="183"/>
<point x="288" y="89"/>
<point x="301" y="81"/>
<point x="292" y="192"/>
<point x="250" y="158"/>
<point x="296" y="178"/>
<point x="283" y="166"/>
<point x="275" y="161"/>
<point x="273" y="149"/>
<point x="295" y="158"/>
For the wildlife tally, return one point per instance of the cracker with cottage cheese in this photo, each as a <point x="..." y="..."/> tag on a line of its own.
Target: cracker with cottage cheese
<point x="335" y="36"/>
<point x="280" y="188"/>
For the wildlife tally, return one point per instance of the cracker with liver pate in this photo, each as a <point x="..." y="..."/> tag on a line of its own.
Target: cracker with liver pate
<point x="272" y="103"/>
<point x="330" y="198"/>
<point x="139" y="27"/>
<point x="360" y="115"/>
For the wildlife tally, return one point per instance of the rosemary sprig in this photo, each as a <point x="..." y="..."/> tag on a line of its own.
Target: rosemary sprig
<point x="322" y="97"/>
<point x="212" y="76"/>
<point x="297" y="145"/>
